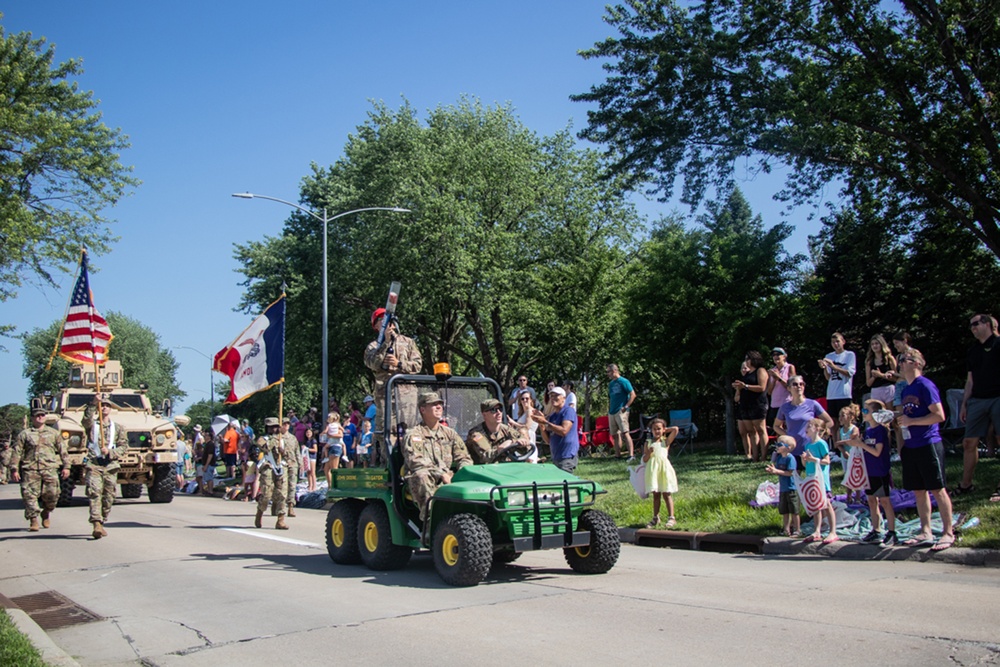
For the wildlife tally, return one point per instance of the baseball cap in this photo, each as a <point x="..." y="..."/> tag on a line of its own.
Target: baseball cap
<point x="779" y="350"/>
<point x="379" y="312"/>
<point x="369" y="399"/>
<point x="558" y="391"/>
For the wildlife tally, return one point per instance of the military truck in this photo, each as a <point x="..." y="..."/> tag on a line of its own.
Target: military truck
<point x="152" y="435"/>
<point x="487" y="514"/>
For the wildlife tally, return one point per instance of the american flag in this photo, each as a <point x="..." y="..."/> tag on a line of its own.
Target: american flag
<point x="86" y="334"/>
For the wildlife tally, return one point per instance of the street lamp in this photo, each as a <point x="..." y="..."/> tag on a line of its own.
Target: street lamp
<point x="211" y="378"/>
<point x="325" y="220"/>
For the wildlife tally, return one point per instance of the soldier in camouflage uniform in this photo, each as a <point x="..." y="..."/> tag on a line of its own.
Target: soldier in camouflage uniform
<point x="398" y="354"/>
<point x="6" y="448"/>
<point x="293" y="461"/>
<point x="105" y="443"/>
<point x="270" y="471"/>
<point x="37" y="455"/>
<point x="430" y="451"/>
<point x="492" y="440"/>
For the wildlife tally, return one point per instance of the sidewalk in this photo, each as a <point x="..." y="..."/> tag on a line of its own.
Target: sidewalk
<point x="786" y="546"/>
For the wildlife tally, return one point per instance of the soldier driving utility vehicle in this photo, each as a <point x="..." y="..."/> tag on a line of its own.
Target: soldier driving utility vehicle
<point x="152" y="436"/>
<point x="487" y="513"/>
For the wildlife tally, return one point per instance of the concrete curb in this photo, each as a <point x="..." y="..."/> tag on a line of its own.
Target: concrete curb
<point x="51" y="654"/>
<point x="786" y="546"/>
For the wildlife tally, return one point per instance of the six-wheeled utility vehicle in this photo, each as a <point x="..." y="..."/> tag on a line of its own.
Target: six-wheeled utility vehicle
<point x="487" y="514"/>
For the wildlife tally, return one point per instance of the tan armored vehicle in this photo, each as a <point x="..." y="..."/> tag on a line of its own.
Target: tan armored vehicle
<point x="152" y="435"/>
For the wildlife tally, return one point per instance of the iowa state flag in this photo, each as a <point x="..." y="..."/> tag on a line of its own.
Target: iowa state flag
<point x="255" y="361"/>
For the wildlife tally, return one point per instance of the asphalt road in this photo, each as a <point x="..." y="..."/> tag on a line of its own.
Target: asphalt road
<point x="192" y="583"/>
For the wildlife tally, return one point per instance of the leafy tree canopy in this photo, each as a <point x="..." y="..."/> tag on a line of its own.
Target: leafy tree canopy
<point x="135" y="345"/>
<point x="511" y="261"/>
<point x="59" y="165"/>
<point x="12" y="419"/>
<point x="900" y="93"/>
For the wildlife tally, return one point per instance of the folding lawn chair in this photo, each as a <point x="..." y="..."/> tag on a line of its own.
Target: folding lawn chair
<point x="688" y="429"/>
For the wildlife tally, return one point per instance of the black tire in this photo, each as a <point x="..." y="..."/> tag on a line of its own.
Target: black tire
<point x="66" y="487"/>
<point x="605" y="545"/>
<point x="463" y="550"/>
<point x="131" y="490"/>
<point x="375" y="540"/>
<point x="162" y="488"/>
<point x="342" y="531"/>
<point x="505" y="556"/>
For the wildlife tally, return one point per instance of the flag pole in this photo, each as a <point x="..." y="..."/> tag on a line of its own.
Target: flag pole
<point x="62" y="327"/>
<point x="281" y="385"/>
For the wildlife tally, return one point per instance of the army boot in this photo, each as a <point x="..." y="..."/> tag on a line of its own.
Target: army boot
<point x="281" y="525"/>
<point x="291" y="511"/>
<point x="45" y="519"/>
<point x="34" y="525"/>
<point x="258" y="518"/>
<point x="99" y="531"/>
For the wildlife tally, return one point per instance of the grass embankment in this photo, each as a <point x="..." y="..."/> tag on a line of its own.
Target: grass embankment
<point x="15" y="649"/>
<point x="715" y="489"/>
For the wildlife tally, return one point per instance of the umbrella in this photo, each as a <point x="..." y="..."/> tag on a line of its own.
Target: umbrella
<point x="220" y="423"/>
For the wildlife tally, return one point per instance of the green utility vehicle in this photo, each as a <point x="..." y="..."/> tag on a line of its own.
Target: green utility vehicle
<point x="487" y="514"/>
<point x="151" y="457"/>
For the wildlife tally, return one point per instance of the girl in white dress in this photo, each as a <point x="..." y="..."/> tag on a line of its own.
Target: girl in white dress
<point x="661" y="481"/>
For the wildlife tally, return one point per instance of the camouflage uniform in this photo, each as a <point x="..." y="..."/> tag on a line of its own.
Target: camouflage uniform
<point x="38" y="454"/>
<point x="102" y="471"/>
<point x="410" y="362"/>
<point x="484" y="447"/>
<point x="5" y="451"/>
<point x="427" y="454"/>
<point x="293" y="462"/>
<point x="272" y="486"/>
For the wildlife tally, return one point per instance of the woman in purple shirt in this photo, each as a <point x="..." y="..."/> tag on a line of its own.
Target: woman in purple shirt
<point x="794" y="415"/>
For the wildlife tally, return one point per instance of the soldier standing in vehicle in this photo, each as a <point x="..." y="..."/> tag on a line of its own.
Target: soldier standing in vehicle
<point x="37" y="454"/>
<point x="491" y="440"/>
<point x="269" y="472"/>
<point x="431" y="451"/>
<point x="104" y="441"/>
<point x="293" y="459"/>
<point x="398" y="354"/>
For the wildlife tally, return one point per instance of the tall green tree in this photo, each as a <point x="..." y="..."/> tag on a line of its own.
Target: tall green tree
<point x="512" y="260"/>
<point x="135" y="345"/>
<point x="703" y="297"/>
<point x="13" y="418"/>
<point x="59" y="165"/>
<point x="901" y="93"/>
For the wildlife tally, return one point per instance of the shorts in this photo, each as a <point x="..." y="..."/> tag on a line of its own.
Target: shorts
<point x="199" y="469"/>
<point x="617" y="423"/>
<point x="978" y="415"/>
<point x="923" y="467"/>
<point x="335" y="450"/>
<point x="568" y="465"/>
<point x="788" y="502"/>
<point x="751" y="409"/>
<point x="886" y="394"/>
<point x="209" y="473"/>
<point x="879" y="486"/>
<point x="229" y="459"/>
<point x="180" y="468"/>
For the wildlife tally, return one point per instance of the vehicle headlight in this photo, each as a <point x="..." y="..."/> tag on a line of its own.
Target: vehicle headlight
<point x="517" y="498"/>
<point x="74" y="440"/>
<point x="160" y="438"/>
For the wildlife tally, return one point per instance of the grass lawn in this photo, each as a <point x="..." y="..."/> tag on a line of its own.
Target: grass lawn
<point x="15" y="649"/>
<point x="715" y="490"/>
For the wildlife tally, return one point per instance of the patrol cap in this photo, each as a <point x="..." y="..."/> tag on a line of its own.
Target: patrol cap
<point x="106" y="400"/>
<point x="271" y="421"/>
<point x="38" y="411"/>
<point x="286" y="420"/>
<point x="429" y="398"/>
<point x="490" y="404"/>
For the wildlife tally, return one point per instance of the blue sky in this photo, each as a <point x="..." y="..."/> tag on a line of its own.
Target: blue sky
<point x="221" y="97"/>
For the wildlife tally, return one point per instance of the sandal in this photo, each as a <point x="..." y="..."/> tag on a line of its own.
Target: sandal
<point x="995" y="498"/>
<point x="654" y="523"/>
<point x="962" y="490"/>
<point x="945" y="542"/>
<point x="671" y="522"/>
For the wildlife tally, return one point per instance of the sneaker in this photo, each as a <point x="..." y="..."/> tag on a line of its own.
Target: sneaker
<point x="631" y="459"/>
<point x="890" y="539"/>
<point x="872" y="536"/>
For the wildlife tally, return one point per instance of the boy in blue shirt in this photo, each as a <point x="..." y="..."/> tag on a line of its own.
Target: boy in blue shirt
<point x="784" y="468"/>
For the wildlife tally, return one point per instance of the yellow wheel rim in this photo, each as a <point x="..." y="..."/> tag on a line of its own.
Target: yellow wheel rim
<point x="583" y="552"/>
<point x="371" y="537"/>
<point x="449" y="550"/>
<point x="337" y="533"/>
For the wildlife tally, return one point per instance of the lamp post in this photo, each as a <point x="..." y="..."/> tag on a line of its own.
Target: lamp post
<point x="211" y="381"/>
<point x="325" y="220"/>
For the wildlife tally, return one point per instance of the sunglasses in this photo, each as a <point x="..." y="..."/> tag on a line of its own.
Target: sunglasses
<point x="973" y="323"/>
<point x="796" y="384"/>
<point x="497" y="409"/>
